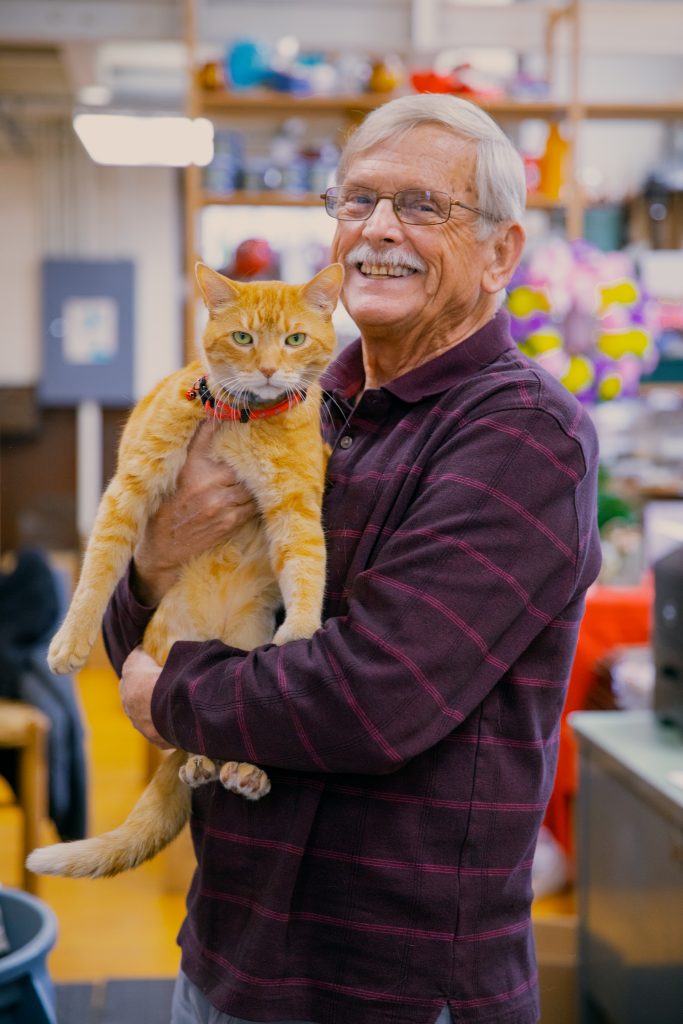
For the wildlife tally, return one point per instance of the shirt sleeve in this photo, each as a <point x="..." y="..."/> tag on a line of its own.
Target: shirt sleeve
<point x="492" y="549"/>
<point x="124" y="623"/>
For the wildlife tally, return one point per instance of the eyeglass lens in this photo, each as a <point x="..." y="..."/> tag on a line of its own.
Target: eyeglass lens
<point x="412" y="205"/>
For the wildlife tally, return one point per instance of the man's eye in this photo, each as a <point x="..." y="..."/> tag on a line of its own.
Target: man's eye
<point x="242" y="338"/>
<point x="295" y="339"/>
<point x="359" y="199"/>
<point x="422" y="204"/>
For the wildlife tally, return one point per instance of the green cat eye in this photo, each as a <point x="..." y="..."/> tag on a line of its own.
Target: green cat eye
<point x="295" y="339"/>
<point x="242" y="338"/>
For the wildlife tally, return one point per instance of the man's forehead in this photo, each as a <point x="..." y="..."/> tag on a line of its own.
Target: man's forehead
<point x="424" y="145"/>
<point x="427" y="149"/>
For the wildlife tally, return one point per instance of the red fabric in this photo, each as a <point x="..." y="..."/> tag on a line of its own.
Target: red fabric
<point x="614" y="616"/>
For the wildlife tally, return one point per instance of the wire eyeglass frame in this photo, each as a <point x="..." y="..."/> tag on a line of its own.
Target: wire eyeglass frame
<point x="335" y="194"/>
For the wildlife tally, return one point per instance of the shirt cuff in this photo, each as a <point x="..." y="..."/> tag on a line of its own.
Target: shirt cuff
<point x="124" y="622"/>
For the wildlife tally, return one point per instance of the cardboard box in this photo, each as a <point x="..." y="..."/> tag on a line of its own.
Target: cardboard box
<point x="557" y="954"/>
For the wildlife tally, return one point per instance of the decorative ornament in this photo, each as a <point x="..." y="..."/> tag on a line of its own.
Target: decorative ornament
<point x="582" y="313"/>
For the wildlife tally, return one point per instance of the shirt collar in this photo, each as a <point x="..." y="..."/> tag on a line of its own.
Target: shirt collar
<point x="436" y="375"/>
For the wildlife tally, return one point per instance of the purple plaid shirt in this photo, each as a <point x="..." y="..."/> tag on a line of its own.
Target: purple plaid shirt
<point x="412" y="742"/>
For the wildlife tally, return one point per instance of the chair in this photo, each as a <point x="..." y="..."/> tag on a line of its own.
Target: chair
<point x="24" y="729"/>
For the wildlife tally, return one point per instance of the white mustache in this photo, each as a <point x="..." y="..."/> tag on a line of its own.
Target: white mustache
<point x="364" y="253"/>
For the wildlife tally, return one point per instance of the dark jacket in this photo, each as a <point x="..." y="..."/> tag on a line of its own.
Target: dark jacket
<point x="32" y="600"/>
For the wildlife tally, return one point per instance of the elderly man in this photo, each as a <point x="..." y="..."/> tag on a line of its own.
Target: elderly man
<point x="412" y="742"/>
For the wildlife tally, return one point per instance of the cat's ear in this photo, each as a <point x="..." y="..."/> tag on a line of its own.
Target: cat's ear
<point x="322" y="291"/>
<point x="218" y="291"/>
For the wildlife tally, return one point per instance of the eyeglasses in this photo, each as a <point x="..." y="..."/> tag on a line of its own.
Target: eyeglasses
<point x="411" y="205"/>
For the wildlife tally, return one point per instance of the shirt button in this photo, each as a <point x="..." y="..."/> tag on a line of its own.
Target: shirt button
<point x="346" y="441"/>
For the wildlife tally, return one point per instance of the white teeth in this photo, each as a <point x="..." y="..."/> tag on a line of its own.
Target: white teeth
<point x="372" y="270"/>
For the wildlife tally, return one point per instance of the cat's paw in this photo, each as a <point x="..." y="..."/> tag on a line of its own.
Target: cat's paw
<point x="68" y="651"/>
<point x="198" y="770"/>
<point x="245" y="779"/>
<point x="295" y="629"/>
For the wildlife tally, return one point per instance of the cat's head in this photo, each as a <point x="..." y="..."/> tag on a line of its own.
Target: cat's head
<point x="265" y="339"/>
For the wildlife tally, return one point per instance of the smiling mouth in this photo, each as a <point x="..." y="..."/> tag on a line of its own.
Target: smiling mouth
<point x="375" y="270"/>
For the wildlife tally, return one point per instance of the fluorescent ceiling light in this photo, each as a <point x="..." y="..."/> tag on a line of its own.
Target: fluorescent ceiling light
<point x="145" y="140"/>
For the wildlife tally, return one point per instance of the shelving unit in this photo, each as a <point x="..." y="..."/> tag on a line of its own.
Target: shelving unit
<point x="430" y="20"/>
<point x="345" y="110"/>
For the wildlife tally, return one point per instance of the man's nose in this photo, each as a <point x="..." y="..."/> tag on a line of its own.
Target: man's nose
<point x="383" y="222"/>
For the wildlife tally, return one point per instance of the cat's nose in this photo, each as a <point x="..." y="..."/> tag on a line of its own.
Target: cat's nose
<point x="267" y="371"/>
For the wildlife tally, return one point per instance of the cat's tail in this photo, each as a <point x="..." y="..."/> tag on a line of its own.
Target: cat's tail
<point x="155" y="820"/>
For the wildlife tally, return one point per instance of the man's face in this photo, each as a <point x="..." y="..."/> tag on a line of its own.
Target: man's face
<point x="445" y="290"/>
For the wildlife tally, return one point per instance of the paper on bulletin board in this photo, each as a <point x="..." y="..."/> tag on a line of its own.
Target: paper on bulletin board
<point x="89" y="330"/>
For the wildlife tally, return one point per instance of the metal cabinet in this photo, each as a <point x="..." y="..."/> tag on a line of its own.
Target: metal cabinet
<point x="630" y="868"/>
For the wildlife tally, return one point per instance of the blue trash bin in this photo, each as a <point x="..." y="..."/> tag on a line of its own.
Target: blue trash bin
<point x="26" y="990"/>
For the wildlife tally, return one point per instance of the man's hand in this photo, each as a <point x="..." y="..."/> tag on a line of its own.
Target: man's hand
<point x="138" y="677"/>
<point x="209" y="504"/>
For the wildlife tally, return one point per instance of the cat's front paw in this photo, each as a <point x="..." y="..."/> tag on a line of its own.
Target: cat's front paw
<point x="68" y="651"/>
<point x="198" y="770"/>
<point x="245" y="779"/>
<point x="295" y="629"/>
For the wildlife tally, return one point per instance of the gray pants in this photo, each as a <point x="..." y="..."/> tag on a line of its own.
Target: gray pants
<point x="190" y="1006"/>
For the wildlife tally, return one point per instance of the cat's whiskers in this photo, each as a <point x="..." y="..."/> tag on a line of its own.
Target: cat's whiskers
<point x="231" y="391"/>
<point x="230" y="385"/>
<point x="332" y="401"/>
<point x="224" y="388"/>
<point x="331" y="376"/>
<point x="308" y="377"/>
<point x="326" y="416"/>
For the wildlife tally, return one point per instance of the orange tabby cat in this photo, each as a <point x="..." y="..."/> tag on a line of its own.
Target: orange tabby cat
<point x="264" y="347"/>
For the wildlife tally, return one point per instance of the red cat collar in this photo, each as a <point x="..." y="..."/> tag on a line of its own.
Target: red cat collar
<point x="239" y="414"/>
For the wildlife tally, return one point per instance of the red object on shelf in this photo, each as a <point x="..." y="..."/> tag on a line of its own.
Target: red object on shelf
<point x="429" y="81"/>
<point x="614" y="616"/>
<point x="460" y="81"/>
<point x="253" y="258"/>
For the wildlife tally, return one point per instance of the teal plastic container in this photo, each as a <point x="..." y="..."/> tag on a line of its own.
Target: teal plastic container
<point x="27" y="993"/>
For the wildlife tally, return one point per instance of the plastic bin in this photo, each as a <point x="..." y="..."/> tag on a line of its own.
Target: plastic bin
<point x="26" y="990"/>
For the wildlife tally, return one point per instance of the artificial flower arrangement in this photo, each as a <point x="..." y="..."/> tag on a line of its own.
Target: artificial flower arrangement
<point x="583" y="314"/>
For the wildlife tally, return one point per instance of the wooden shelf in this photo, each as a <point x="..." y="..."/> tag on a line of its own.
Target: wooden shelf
<point x="215" y="104"/>
<point x="633" y="111"/>
<point x="522" y="109"/>
<point x="267" y="198"/>
<point x="262" y="102"/>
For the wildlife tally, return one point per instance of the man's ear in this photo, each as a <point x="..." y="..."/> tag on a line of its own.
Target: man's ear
<point x="508" y="245"/>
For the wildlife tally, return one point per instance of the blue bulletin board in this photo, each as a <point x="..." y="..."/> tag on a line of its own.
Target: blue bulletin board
<point x="87" y="327"/>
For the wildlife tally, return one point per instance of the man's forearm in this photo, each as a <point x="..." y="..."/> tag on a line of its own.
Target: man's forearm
<point x="124" y="623"/>
<point x="149" y="584"/>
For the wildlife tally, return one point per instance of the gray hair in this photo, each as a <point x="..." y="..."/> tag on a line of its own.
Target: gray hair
<point x="500" y="177"/>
